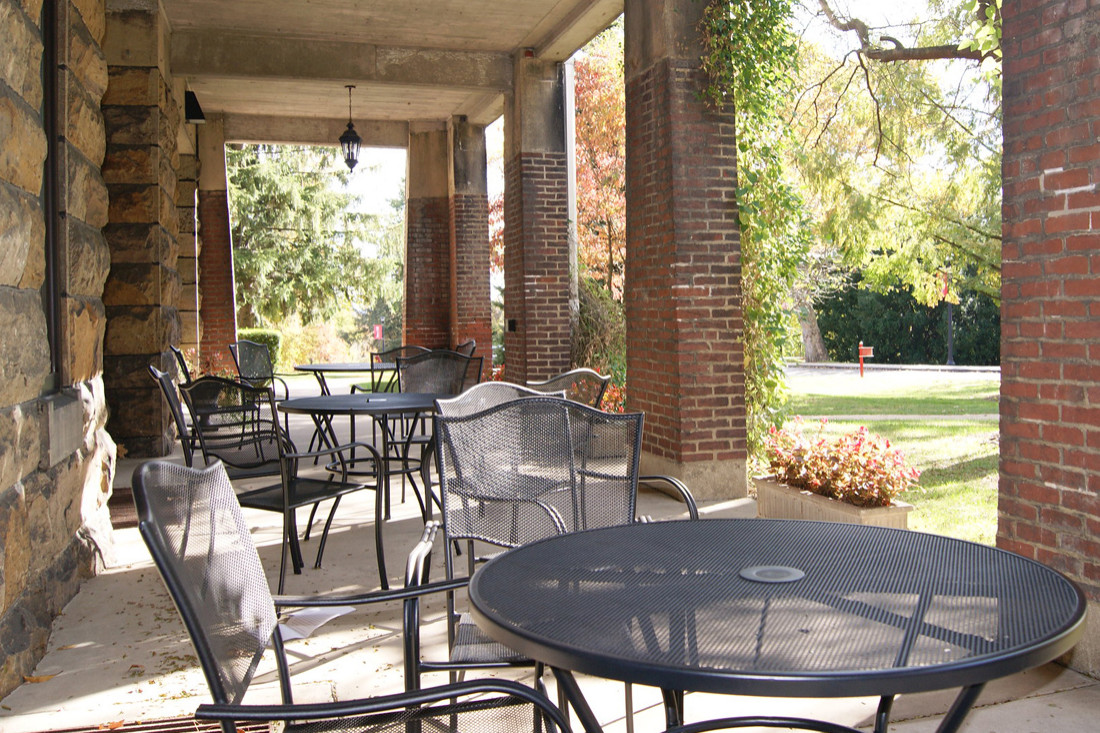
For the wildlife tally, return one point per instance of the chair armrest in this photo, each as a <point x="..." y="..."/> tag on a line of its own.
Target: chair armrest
<point x="334" y="450"/>
<point x="676" y="487"/>
<point x="381" y="704"/>
<point x="381" y="596"/>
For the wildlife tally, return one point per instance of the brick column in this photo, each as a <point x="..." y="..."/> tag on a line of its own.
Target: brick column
<point x="1049" y="506"/>
<point x="470" y="234"/>
<point x="683" y="269"/>
<point x="217" y="305"/>
<point x="536" y="224"/>
<point x="428" y="255"/>
<point x="142" y="119"/>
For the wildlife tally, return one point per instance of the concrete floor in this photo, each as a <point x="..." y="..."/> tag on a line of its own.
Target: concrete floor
<point x="120" y="653"/>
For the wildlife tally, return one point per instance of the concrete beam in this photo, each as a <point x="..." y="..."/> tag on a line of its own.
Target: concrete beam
<point x="565" y="35"/>
<point x="273" y="130"/>
<point x="227" y="54"/>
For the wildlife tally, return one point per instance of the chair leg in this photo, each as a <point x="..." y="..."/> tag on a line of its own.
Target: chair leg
<point x="629" y="700"/>
<point x="309" y="524"/>
<point x="324" y="534"/>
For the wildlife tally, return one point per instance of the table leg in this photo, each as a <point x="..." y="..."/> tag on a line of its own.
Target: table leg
<point x="576" y="698"/>
<point x="963" y="702"/>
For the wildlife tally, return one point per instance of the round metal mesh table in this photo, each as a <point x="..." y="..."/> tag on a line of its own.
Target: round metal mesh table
<point x="777" y="608"/>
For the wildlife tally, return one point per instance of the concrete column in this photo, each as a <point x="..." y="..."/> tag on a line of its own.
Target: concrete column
<point x="536" y="223"/>
<point x="470" y="238"/>
<point x="428" y="254"/>
<point x="683" y="257"/>
<point x="141" y="292"/>
<point x="217" y="288"/>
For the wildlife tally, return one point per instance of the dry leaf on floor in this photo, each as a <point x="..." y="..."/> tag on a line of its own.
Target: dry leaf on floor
<point x="38" y="678"/>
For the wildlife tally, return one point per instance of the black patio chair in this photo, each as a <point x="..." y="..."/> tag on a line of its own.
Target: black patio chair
<point x="582" y="385"/>
<point x="238" y="425"/>
<point x="520" y="471"/>
<point x="187" y="436"/>
<point x="383" y="376"/>
<point x="202" y="547"/>
<point x="184" y="375"/>
<point x="467" y="347"/>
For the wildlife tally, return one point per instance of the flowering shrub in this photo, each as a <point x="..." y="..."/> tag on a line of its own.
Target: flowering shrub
<point x="614" y="398"/>
<point x="859" y="468"/>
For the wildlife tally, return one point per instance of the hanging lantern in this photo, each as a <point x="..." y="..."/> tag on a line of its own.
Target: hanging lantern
<point x="350" y="140"/>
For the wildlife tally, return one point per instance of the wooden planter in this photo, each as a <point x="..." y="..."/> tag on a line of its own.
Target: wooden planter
<point x="779" y="501"/>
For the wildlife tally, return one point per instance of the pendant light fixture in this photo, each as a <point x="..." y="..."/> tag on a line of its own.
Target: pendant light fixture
<point x="350" y="140"/>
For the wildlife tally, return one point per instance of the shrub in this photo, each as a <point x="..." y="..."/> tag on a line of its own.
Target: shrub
<point x="273" y="340"/>
<point x="859" y="468"/>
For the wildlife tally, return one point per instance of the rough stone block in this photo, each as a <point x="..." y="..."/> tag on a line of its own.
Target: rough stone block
<point x="22" y="146"/>
<point x="141" y="284"/>
<point x="89" y="260"/>
<point x="132" y="38"/>
<point x="15" y="540"/>
<point x="130" y="125"/>
<point x="140" y="330"/>
<point x="24" y="361"/>
<point x="188" y="168"/>
<point x="134" y="203"/>
<point x="85" y="130"/>
<point x="86" y="197"/>
<point x="22" y="232"/>
<point x="140" y="242"/>
<point x="86" y="325"/>
<point x="20" y="435"/>
<point x="138" y="413"/>
<point x="132" y="165"/>
<point x="21" y="53"/>
<point x="87" y="63"/>
<point x="94" y="15"/>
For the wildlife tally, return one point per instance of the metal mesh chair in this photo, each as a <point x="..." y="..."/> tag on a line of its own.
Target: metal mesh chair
<point x="254" y="367"/>
<point x="383" y="375"/>
<point x="184" y="375"/>
<point x="581" y="385"/>
<point x="483" y="396"/>
<point x="187" y="437"/>
<point x="237" y="425"/>
<point x="195" y="532"/>
<point x="467" y="347"/>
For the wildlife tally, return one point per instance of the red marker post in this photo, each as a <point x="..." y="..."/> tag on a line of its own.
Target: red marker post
<point x="865" y="352"/>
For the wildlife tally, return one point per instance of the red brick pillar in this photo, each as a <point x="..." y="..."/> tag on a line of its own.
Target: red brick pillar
<point x="428" y="261"/>
<point x="217" y="308"/>
<point x="536" y="224"/>
<point x="470" y="235"/>
<point x="683" y="257"/>
<point x="1049" y="506"/>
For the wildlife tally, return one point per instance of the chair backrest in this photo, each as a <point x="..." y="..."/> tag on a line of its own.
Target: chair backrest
<point x="440" y="371"/>
<point x="168" y="389"/>
<point x="483" y="396"/>
<point x="184" y="375"/>
<point x="253" y="362"/>
<point x="383" y="373"/>
<point x="580" y="385"/>
<point x="535" y="467"/>
<point x="235" y="423"/>
<point x="192" y="524"/>
<point x="467" y="347"/>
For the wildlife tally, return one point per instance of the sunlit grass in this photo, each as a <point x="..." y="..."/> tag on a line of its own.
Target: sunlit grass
<point x="895" y="393"/>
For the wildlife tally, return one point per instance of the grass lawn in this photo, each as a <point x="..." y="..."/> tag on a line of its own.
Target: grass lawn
<point x="957" y="492"/>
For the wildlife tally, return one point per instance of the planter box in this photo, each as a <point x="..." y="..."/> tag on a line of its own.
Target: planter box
<point x="779" y="501"/>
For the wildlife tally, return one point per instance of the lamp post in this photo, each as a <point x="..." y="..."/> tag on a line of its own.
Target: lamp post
<point x="350" y="140"/>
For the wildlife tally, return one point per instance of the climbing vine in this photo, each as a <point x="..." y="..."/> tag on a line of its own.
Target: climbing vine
<point x="750" y="57"/>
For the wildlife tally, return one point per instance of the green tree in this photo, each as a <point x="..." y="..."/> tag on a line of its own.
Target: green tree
<point x="899" y="155"/>
<point x="295" y="235"/>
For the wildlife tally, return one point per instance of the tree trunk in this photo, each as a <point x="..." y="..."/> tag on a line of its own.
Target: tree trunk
<point x="813" y="346"/>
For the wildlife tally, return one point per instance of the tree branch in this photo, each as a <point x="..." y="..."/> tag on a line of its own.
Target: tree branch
<point x="873" y="49"/>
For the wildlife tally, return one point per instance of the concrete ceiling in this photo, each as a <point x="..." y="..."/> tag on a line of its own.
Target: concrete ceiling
<point x="277" y="68"/>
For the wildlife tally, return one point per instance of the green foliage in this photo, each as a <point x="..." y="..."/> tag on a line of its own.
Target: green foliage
<point x="902" y="331"/>
<point x="294" y="234"/>
<point x="750" y="58"/>
<point x="859" y="467"/>
<point x="272" y="339"/>
<point x="599" y="341"/>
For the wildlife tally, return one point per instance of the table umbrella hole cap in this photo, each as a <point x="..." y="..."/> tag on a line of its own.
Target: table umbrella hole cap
<point x="772" y="574"/>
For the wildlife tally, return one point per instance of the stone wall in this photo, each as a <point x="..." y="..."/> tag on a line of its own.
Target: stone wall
<point x="56" y="459"/>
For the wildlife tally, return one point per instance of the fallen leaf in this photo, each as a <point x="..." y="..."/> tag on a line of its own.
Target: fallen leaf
<point x="38" y="678"/>
<point x="112" y="726"/>
<point x="67" y="646"/>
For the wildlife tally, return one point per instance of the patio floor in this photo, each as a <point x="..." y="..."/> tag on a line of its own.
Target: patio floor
<point x="119" y="654"/>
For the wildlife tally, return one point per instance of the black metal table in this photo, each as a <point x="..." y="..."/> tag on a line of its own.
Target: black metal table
<point x="380" y="406"/>
<point x="777" y="608"/>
